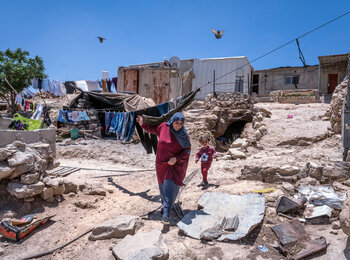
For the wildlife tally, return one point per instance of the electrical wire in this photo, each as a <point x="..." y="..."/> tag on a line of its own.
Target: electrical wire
<point x="280" y="47"/>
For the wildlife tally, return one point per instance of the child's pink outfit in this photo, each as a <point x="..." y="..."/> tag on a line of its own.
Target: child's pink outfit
<point x="206" y="155"/>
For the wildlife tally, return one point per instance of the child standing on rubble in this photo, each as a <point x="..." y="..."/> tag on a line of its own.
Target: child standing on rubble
<point x="206" y="154"/>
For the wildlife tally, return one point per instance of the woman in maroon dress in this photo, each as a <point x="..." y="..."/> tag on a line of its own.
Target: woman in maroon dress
<point x="173" y="152"/>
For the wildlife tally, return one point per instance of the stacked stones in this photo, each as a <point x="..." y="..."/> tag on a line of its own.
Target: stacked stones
<point x="258" y="125"/>
<point x="334" y="112"/>
<point x="23" y="171"/>
<point x="228" y="101"/>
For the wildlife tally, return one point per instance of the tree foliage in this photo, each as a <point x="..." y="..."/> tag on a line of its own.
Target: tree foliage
<point x="19" y="69"/>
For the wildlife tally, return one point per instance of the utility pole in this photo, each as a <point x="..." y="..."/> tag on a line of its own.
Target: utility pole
<point x="214" y="93"/>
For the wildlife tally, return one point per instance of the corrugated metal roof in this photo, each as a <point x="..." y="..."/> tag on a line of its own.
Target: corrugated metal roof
<point x="332" y="58"/>
<point x="226" y="71"/>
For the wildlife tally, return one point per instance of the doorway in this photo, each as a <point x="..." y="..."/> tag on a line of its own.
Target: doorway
<point x="256" y="83"/>
<point x="332" y="82"/>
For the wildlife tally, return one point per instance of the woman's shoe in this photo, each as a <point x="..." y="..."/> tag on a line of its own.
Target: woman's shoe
<point x="165" y="220"/>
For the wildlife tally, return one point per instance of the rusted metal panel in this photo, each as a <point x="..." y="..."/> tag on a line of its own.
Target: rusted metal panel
<point x="312" y="247"/>
<point x="289" y="232"/>
<point x="131" y="80"/>
<point x="161" y="84"/>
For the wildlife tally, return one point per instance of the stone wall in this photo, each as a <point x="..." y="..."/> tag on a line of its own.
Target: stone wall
<point x="335" y="110"/>
<point x="28" y="137"/>
<point x="214" y="115"/>
<point x="23" y="171"/>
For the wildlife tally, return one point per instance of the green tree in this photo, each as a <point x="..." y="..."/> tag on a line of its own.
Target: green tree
<point x="17" y="70"/>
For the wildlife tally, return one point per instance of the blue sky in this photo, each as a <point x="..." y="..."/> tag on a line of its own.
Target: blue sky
<point x="64" y="32"/>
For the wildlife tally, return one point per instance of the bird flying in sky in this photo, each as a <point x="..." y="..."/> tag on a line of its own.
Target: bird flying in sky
<point x="101" y="39"/>
<point x="218" y="34"/>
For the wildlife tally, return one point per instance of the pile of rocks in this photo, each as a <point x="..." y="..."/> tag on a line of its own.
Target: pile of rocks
<point x="257" y="124"/>
<point x="335" y="110"/>
<point x="310" y="174"/>
<point x="133" y="244"/>
<point x="23" y="171"/>
<point x="214" y="115"/>
<point x="225" y="100"/>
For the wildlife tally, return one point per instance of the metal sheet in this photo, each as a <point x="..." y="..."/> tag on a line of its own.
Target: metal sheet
<point x="312" y="212"/>
<point x="203" y="73"/>
<point x="289" y="232"/>
<point x="131" y="80"/>
<point x="312" y="247"/>
<point x="161" y="85"/>
<point x="249" y="208"/>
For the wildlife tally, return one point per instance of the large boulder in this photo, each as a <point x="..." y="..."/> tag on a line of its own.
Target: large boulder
<point x="118" y="227"/>
<point x="21" y="191"/>
<point x="30" y="178"/>
<point x="142" y="246"/>
<point x="20" y="158"/>
<point x="236" y="154"/>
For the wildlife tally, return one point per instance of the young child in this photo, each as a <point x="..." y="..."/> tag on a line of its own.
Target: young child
<point x="206" y="154"/>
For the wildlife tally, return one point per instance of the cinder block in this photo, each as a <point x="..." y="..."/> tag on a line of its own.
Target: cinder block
<point x="28" y="137"/>
<point x="7" y="137"/>
<point x="49" y="136"/>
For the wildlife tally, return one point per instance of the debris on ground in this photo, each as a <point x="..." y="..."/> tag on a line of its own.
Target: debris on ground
<point x="118" y="227"/>
<point x="215" y="207"/>
<point x="143" y="245"/>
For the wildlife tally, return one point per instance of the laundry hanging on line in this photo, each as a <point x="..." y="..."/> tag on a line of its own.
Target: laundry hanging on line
<point x="72" y="116"/>
<point x="120" y="124"/>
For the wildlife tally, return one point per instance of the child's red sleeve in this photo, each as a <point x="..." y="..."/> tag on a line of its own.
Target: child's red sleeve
<point x="199" y="154"/>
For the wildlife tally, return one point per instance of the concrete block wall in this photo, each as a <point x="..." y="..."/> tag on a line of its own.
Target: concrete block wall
<point x="43" y="135"/>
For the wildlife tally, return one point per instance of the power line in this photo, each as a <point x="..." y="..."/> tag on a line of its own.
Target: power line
<point x="283" y="45"/>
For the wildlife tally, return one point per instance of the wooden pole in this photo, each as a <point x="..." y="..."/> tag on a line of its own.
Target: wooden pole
<point x="214" y="93"/>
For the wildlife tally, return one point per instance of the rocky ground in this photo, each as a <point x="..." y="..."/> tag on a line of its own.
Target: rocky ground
<point x="289" y="144"/>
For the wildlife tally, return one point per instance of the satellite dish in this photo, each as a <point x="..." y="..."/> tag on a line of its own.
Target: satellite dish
<point x="175" y="62"/>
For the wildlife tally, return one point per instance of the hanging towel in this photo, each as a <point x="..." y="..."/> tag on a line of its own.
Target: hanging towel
<point x="61" y="116"/>
<point x="163" y="108"/>
<point x="92" y="85"/>
<point x="83" y="116"/>
<point x="120" y="125"/>
<point x="115" y="83"/>
<point x="109" y="85"/>
<point x="104" y="85"/>
<point x="82" y="85"/>
<point x="131" y="126"/>
<point x="113" y="124"/>
<point x="62" y="89"/>
<point x="107" y="119"/>
<point x="38" y="112"/>
<point x="125" y="126"/>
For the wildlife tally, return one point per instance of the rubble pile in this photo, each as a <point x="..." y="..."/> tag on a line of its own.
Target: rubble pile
<point x="335" y="110"/>
<point x="213" y="115"/>
<point x="312" y="173"/>
<point x="89" y="128"/>
<point x="23" y="171"/>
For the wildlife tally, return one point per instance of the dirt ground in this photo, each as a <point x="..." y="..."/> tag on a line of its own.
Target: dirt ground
<point x="136" y="193"/>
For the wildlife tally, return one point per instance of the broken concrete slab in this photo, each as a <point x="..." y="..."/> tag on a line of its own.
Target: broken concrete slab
<point x="118" y="227"/>
<point x="142" y="246"/>
<point x="21" y="191"/>
<point x="215" y="206"/>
